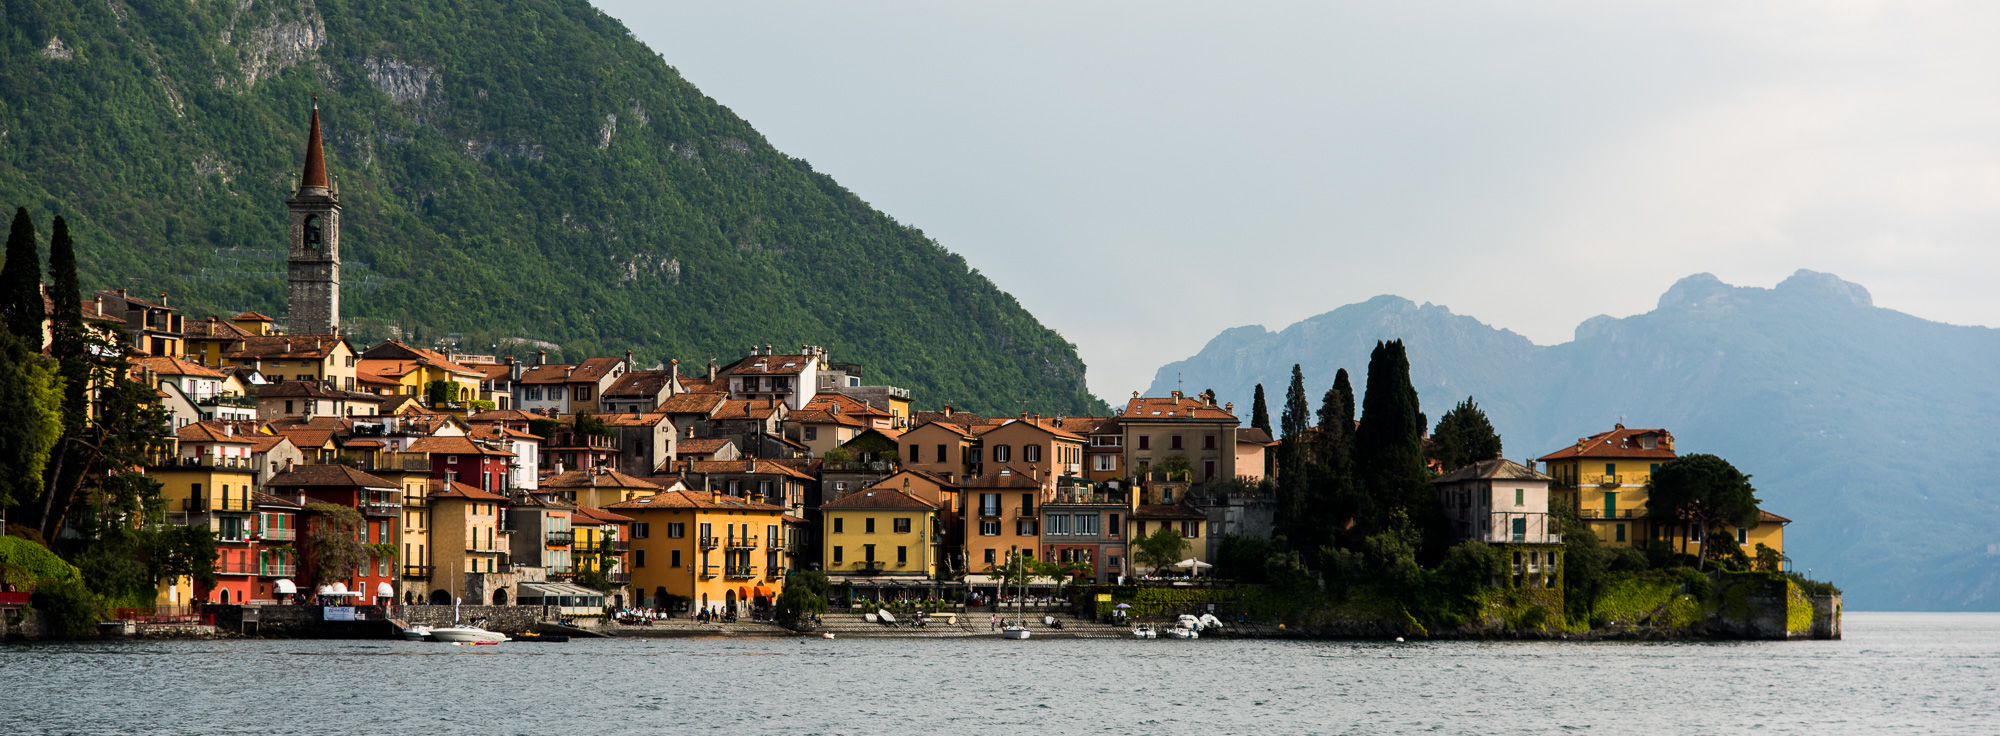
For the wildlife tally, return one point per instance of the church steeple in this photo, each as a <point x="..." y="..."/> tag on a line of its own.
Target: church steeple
<point x="315" y="245"/>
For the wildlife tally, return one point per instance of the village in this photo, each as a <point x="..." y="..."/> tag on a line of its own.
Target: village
<point x="600" y="489"/>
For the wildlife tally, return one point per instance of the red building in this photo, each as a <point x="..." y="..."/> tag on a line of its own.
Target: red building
<point x="379" y="503"/>
<point x="461" y="460"/>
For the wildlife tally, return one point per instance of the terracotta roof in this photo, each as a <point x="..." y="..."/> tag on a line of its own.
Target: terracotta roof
<point x="1046" y="424"/>
<point x="337" y="476"/>
<point x="1003" y="479"/>
<point x="702" y="445"/>
<point x="171" y="366"/>
<point x="590" y="370"/>
<point x="490" y="432"/>
<point x="392" y="351"/>
<point x="305" y="438"/>
<point x="209" y="431"/>
<point x="503" y="415"/>
<point x="757" y="466"/>
<point x="595" y="479"/>
<point x="364" y="377"/>
<point x="1168" y="408"/>
<point x="625" y="419"/>
<point x="251" y="317"/>
<point x="698" y="384"/>
<point x="694" y="500"/>
<point x="960" y="418"/>
<point x="213" y="328"/>
<point x="819" y="416"/>
<point x="847" y="404"/>
<point x="492" y="371"/>
<point x="310" y="389"/>
<point x="1767" y="517"/>
<point x="130" y="297"/>
<point x="341" y="424"/>
<point x="588" y="515"/>
<point x="645" y="384"/>
<point x="1166" y="512"/>
<point x="362" y="444"/>
<point x="315" y="169"/>
<point x="768" y="365"/>
<point x="877" y="497"/>
<point x="692" y="403"/>
<point x="286" y="347"/>
<point x="265" y="442"/>
<point x="261" y="498"/>
<point x="961" y="430"/>
<point x="461" y="490"/>
<point x="1495" y="469"/>
<point x="746" y="409"/>
<point x="1619" y="442"/>
<point x="90" y="313"/>
<point x="454" y="446"/>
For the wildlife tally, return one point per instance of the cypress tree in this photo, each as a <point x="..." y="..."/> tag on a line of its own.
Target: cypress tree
<point x="1345" y="388"/>
<point x="1295" y="507"/>
<point x="1297" y="415"/>
<point x="1334" y="471"/>
<point x="69" y="339"/>
<point x="1389" y="455"/>
<point x="21" y="282"/>
<point x="1260" y="415"/>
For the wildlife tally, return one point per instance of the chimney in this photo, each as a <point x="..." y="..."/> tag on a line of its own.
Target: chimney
<point x="100" y="305"/>
<point x="1229" y="407"/>
<point x="690" y="431"/>
<point x="1176" y="394"/>
<point x="947" y="411"/>
<point x="1024" y="415"/>
<point x="749" y="465"/>
<point x="1135" y="394"/>
<point x="1038" y="417"/>
<point x="768" y="350"/>
<point x="121" y="291"/>
<point x="163" y="298"/>
<point x="229" y="429"/>
<point x="541" y="357"/>
<point x="288" y="465"/>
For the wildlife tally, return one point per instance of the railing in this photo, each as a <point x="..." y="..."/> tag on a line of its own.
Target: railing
<point x="1617" y="514"/>
<point x="245" y="402"/>
<point x="279" y="571"/>
<point x="1620" y="479"/>
<point x="198" y="504"/>
<point x="417" y="572"/>
<point x="406" y="464"/>
<point x="184" y="615"/>
<point x="618" y="578"/>
<point x="740" y="572"/>
<point x="710" y="542"/>
<point x="237" y="568"/>
<point x="203" y="461"/>
<point x="561" y="538"/>
<point x="282" y="534"/>
<point x="1535" y="528"/>
<point x="992" y="512"/>
<point x="380" y="508"/>
<point x="409" y="501"/>
<point x="748" y="541"/>
<point x="709" y="571"/>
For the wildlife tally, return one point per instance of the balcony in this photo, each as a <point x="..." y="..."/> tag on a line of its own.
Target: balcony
<point x="413" y="502"/>
<point x="1615" y="514"/>
<point x="237" y="568"/>
<point x="380" y="508"/>
<point x="989" y="512"/>
<point x="743" y="542"/>
<point x="241" y="402"/>
<point x="740" y="572"/>
<point x="275" y="570"/>
<point x="618" y="578"/>
<point x="202" y="461"/>
<point x="417" y="572"/>
<point x="561" y="539"/>
<point x="708" y="543"/>
<point x="285" y="534"/>
<point x="405" y="464"/>
<point x="709" y="571"/>
<point x="198" y="504"/>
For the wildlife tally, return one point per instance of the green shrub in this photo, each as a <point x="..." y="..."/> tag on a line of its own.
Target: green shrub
<point x="71" y="609"/>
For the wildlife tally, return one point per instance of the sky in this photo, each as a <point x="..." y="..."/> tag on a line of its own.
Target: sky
<point x="1532" y="164"/>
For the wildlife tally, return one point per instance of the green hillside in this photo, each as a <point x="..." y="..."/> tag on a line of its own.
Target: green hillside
<point x="513" y="172"/>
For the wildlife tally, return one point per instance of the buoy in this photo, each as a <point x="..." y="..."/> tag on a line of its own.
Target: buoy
<point x="1399" y="638"/>
<point x="827" y="635"/>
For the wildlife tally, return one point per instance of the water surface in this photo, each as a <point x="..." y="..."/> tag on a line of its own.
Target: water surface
<point x="1895" y="673"/>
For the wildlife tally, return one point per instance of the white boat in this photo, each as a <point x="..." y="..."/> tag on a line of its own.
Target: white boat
<point x="1209" y="621"/>
<point x="1144" y="631"/>
<point x="1181" y="632"/>
<point x="468" y="635"/>
<point x="416" y="633"/>
<point x="1014" y="631"/>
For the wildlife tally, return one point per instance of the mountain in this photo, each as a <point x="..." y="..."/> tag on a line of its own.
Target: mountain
<point x="517" y="173"/>
<point x="1872" y="429"/>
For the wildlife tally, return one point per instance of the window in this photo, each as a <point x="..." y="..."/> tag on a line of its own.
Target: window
<point x="839" y="525"/>
<point x="1191" y="529"/>
<point x="1742" y="536"/>
<point x="1621" y="532"/>
<point x="1177" y="442"/>
<point x="1145" y="442"/>
<point x="972" y="455"/>
<point x="1104" y="462"/>
<point x="812" y="433"/>
<point x="1058" y="524"/>
<point x="868" y="552"/>
<point x="902" y="525"/>
<point x="943" y="456"/>
<point x="989" y="528"/>
<point x="1208" y="442"/>
<point x="534" y="393"/>
<point x="1086" y="524"/>
<point x="916" y="453"/>
<point x="1112" y="528"/>
<point x="1207" y="469"/>
<point x="989" y="556"/>
<point x="839" y="554"/>
<point x="639" y="558"/>
<point x="868" y="525"/>
<point x="1610" y="504"/>
<point x="1520" y="497"/>
<point x="642" y="530"/>
<point x="1112" y="562"/>
<point x="1610" y="469"/>
<point x="582" y="393"/>
<point x="676" y="529"/>
<point x="1031" y="453"/>
<point x="902" y="555"/>
<point x="1025" y="528"/>
<point x="1003" y="453"/>
<point x="989" y="504"/>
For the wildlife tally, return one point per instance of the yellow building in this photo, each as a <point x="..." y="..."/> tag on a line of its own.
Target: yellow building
<point x="707" y="547"/>
<point x="1604" y="478"/>
<point x="327" y="360"/>
<point x="414" y="369"/>
<point x="880" y="537"/>
<point x="208" y="483"/>
<point x="599" y="488"/>
<point x="465" y="537"/>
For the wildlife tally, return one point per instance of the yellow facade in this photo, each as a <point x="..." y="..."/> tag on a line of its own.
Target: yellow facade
<point x="1609" y="494"/>
<point x="713" y="549"/>
<point x="879" y="541"/>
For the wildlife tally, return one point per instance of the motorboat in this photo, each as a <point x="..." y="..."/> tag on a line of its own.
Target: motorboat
<point x="1145" y="631"/>
<point x="467" y="635"/>
<point x="1015" y="631"/>
<point x="1209" y="621"/>
<point x="1182" y="632"/>
<point x="416" y="633"/>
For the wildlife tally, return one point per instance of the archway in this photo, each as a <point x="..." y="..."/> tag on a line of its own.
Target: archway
<point x="660" y="597"/>
<point x="409" y="597"/>
<point x="729" y="601"/>
<point x="618" y="601"/>
<point x="440" y="597"/>
<point x="500" y="597"/>
<point x="224" y="595"/>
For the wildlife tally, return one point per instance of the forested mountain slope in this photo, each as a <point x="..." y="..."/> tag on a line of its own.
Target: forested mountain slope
<point x="1873" y="429"/>
<point x="517" y="169"/>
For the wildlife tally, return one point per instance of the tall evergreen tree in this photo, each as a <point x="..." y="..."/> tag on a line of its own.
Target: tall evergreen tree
<point x="69" y="340"/>
<point x="31" y="391"/>
<point x="1297" y="416"/>
<point x="1464" y="436"/>
<point x="1295" y="479"/>
<point x="1333" y="475"/>
<point x="1345" y="387"/>
<point x="1260" y="415"/>
<point x="21" y="282"/>
<point x="1388" y="446"/>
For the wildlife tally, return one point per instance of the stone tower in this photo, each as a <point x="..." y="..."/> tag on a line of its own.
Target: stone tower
<point x="315" y="253"/>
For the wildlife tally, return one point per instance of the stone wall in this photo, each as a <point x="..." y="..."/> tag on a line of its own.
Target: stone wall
<point x="507" y="619"/>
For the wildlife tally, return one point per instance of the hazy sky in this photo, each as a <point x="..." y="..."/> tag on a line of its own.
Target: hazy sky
<point x="1532" y="164"/>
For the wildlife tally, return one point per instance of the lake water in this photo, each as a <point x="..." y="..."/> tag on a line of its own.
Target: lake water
<point x="1895" y="673"/>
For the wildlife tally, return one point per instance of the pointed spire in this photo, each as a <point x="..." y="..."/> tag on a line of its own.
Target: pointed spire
<point x="315" y="174"/>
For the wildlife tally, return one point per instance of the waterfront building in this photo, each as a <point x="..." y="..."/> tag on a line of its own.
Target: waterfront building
<point x="1163" y="502"/>
<point x="207" y="482"/>
<point x="598" y="488"/>
<point x="1604" y="478"/>
<point x="943" y="447"/>
<point x="377" y="501"/>
<point x="1505" y="504"/>
<point x="542" y="535"/>
<point x="881" y="537"/>
<point x="1001" y="516"/>
<point x="601" y="546"/>
<point x="467" y="543"/>
<point x="1159" y="428"/>
<point x="707" y="547"/>
<point x="1036" y="447"/>
<point x="1084" y="524"/>
<point x="461" y="459"/>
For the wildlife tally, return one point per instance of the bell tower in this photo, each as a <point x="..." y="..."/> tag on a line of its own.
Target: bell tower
<point x="315" y="246"/>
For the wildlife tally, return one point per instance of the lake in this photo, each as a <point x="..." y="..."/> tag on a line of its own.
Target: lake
<point x="1895" y="673"/>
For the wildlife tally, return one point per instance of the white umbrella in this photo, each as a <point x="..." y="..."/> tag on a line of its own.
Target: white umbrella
<point x="1193" y="563"/>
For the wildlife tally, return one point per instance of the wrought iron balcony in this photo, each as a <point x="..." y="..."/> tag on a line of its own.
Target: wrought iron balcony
<point x="709" y="571"/>
<point x="561" y="539"/>
<point x="748" y="541"/>
<point x="740" y="572"/>
<point x="710" y="542"/>
<point x="417" y="572"/>
<point x="276" y="570"/>
<point x="284" y="534"/>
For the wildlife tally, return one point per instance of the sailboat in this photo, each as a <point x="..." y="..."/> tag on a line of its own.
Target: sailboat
<point x="1018" y="628"/>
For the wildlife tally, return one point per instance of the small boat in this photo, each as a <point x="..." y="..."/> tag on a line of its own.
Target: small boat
<point x="883" y="615"/>
<point x="1014" y="631"/>
<point x="548" y="638"/>
<point x="827" y="635"/>
<point x="1144" y="631"/>
<point x="1182" y="632"/>
<point x="467" y="635"/>
<point x="416" y="633"/>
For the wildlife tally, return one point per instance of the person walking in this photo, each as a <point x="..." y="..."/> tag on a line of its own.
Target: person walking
<point x="996" y="623"/>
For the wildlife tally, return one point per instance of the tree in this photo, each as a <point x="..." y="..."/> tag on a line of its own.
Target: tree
<point x="1295" y="464"/>
<point x="1464" y="436"/>
<point x="1337" y="502"/>
<point x="804" y="595"/>
<point x="69" y="343"/>
<point x="1242" y="559"/>
<point x="175" y="551"/>
<point x="441" y="392"/>
<point x="1260" y="415"/>
<point x="1297" y="416"/>
<point x="1388" y="446"/>
<point x="1704" y="492"/>
<point x="31" y="391"/>
<point x="1159" y="550"/>
<point x="333" y="548"/>
<point x="21" y="282"/>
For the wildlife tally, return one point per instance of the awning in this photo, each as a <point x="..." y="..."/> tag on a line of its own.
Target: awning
<point x="385" y="590"/>
<point x="558" y="594"/>
<point x="1037" y="582"/>
<point x="760" y="592"/>
<point x="286" y="587"/>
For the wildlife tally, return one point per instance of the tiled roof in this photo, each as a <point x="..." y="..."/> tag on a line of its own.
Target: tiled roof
<point x="265" y="442"/>
<point x="758" y="466"/>
<point x="702" y="446"/>
<point x="588" y="515"/>
<point x="1168" y="408"/>
<point x="692" y="403"/>
<point x="392" y="351"/>
<point x="335" y="476"/>
<point x="1495" y="469"/>
<point x="626" y="419"/>
<point x="305" y="438"/>
<point x="312" y="390"/>
<point x="590" y="370"/>
<point x="261" y="498"/>
<point x="454" y="446"/>
<point x="461" y="490"/>
<point x="768" y="365"/>
<point x="819" y="416"/>
<point x="847" y="404"/>
<point x="698" y="384"/>
<point x="1619" y="442"/>
<point x="1767" y="517"/>
<point x="251" y="317"/>
<point x="636" y="384"/>
<point x="1046" y="424"/>
<point x="596" y="479"/>
<point x="1175" y="511"/>
<point x="878" y="497"/>
<point x="502" y="415"/>
<point x="213" y="328"/>
<point x="693" y="500"/>
<point x="746" y="409"/>
<point x="285" y="347"/>
<point x="211" y="431"/>
<point x="171" y="366"/>
<point x="490" y="432"/>
<point x="960" y="418"/>
<point x="1003" y="479"/>
<point x="1253" y="435"/>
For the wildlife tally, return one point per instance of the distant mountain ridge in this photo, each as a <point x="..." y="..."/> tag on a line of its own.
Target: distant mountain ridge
<point x="515" y="174"/>
<point x="1874" y="430"/>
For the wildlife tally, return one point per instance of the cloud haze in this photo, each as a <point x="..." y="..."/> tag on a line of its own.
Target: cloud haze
<point x="1144" y="175"/>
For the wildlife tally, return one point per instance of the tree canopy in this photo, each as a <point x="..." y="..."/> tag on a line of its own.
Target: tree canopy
<point x="1704" y="491"/>
<point x="1464" y="436"/>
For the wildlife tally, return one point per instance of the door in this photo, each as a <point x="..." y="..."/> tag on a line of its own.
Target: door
<point x="1610" y="504"/>
<point x="1521" y="529"/>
